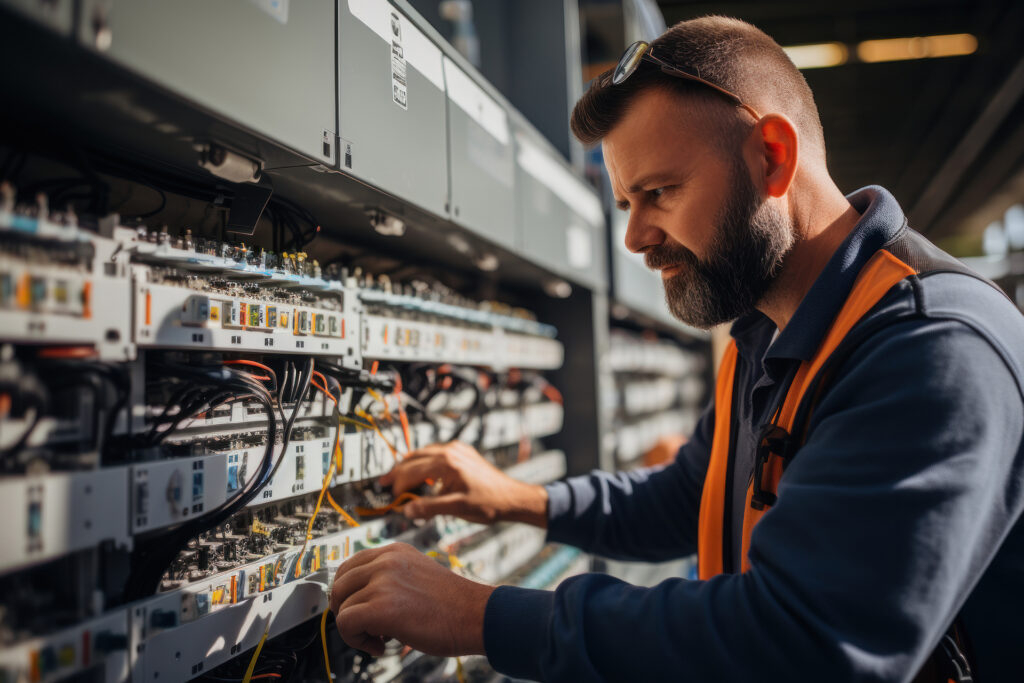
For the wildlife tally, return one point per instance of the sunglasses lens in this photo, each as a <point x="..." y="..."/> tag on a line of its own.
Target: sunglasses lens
<point x="631" y="59"/>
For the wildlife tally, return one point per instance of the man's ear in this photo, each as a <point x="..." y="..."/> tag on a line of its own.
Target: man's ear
<point x="778" y="143"/>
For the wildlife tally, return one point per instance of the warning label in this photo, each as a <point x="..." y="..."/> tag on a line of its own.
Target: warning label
<point x="399" y="86"/>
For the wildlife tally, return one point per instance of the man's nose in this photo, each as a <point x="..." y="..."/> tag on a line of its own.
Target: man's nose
<point x="641" y="234"/>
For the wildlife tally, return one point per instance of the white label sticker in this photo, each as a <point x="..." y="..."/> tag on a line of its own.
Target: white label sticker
<point x="579" y="247"/>
<point x="419" y="51"/>
<point x="399" y="85"/>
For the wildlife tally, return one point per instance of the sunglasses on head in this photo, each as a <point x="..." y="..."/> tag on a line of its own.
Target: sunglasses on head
<point x="641" y="51"/>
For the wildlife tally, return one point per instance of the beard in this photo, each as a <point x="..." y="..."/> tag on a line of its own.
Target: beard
<point x="752" y="239"/>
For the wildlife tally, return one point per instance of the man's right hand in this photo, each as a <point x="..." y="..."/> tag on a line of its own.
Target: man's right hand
<point x="471" y="487"/>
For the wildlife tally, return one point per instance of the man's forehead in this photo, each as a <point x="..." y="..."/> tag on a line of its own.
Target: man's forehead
<point x="650" y="141"/>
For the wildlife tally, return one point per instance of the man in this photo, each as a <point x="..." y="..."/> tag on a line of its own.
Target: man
<point x="879" y="507"/>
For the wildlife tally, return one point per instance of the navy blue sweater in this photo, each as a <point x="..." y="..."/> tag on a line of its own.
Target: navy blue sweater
<point x="902" y="509"/>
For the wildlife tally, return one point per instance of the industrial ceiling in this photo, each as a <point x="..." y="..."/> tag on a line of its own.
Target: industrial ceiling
<point x="945" y="135"/>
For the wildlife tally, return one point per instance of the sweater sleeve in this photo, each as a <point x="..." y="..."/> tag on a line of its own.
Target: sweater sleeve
<point x="644" y="514"/>
<point x="886" y="519"/>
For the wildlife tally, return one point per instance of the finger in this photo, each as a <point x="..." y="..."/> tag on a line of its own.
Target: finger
<point x="437" y="451"/>
<point x="448" y="504"/>
<point x="426" y="451"/>
<point x="356" y="625"/>
<point x="348" y="584"/>
<point x="360" y="559"/>
<point x="411" y="475"/>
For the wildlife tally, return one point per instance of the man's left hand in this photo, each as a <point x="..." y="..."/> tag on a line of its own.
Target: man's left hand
<point x="397" y="592"/>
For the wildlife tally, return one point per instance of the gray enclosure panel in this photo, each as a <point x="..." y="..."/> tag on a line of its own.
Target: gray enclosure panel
<point x="555" y="233"/>
<point x="55" y="14"/>
<point x="483" y="179"/>
<point x="401" y="151"/>
<point x="266" y="66"/>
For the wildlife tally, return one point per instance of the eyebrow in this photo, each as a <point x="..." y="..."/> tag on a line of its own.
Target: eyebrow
<point x="654" y="178"/>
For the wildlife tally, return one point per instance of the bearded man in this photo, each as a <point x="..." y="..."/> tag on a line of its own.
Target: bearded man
<point x="854" y="490"/>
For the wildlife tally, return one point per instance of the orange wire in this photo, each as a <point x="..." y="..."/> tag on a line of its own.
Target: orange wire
<point x="393" y="505"/>
<point x="323" y="390"/>
<point x="341" y="511"/>
<point x="402" y="417"/>
<point x="323" y="385"/>
<point x="553" y="394"/>
<point x="67" y="352"/>
<point x="253" y="363"/>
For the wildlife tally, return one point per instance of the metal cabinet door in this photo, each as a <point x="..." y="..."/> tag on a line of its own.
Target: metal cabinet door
<point x="391" y="104"/>
<point x="267" y="65"/>
<point x="482" y="159"/>
<point x="562" y="223"/>
<point x="55" y="14"/>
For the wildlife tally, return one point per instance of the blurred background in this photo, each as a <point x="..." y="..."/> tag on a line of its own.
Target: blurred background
<point x="923" y="97"/>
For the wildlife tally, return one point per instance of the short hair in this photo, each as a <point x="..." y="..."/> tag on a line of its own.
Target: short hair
<point x="727" y="52"/>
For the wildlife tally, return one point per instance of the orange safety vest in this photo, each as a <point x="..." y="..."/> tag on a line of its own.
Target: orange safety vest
<point x="877" y="277"/>
<point x="778" y="443"/>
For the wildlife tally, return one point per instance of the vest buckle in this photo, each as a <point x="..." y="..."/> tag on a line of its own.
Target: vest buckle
<point x="772" y="440"/>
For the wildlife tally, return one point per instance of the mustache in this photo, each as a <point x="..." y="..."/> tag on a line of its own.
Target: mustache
<point x="657" y="258"/>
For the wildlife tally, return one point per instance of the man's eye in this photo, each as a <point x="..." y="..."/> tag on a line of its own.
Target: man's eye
<point x="657" y="192"/>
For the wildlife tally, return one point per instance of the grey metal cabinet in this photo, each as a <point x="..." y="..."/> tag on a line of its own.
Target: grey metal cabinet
<point x="482" y="159"/>
<point x="267" y="65"/>
<point x="561" y="220"/>
<point x="55" y="14"/>
<point x="391" y="104"/>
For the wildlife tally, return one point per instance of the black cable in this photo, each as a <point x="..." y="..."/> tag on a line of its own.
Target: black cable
<point x="163" y="205"/>
<point x="307" y="377"/>
<point x="151" y="558"/>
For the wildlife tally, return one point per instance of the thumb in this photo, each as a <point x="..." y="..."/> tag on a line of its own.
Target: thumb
<point x="448" y="504"/>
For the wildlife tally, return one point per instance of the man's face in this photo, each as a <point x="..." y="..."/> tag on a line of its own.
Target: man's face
<point x="694" y="211"/>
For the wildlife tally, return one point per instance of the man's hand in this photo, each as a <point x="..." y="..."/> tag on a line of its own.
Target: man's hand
<point x="395" y="592"/>
<point x="471" y="488"/>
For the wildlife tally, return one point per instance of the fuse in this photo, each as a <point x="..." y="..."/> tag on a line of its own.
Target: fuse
<point x="195" y="310"/>
<point x="231" y="313"/>
<point x="37" y="291"/>
<point x="6" y="289"/>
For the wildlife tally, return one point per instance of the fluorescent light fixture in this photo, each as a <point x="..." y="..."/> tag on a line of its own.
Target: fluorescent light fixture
<point x="920" y="47"/>
<point x="818" y="55"/>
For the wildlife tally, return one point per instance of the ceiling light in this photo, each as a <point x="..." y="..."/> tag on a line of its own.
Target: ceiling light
<point x="818" y="55"/>
<point x="920" y="47"/>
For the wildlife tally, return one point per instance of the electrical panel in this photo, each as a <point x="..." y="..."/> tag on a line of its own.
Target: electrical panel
<point x="191" y="432"/>
<point x="661" y="385"/>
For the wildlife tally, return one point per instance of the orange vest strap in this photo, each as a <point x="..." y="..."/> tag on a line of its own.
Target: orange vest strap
<point x="712" y="501"/>
<point x="875" y="279"/>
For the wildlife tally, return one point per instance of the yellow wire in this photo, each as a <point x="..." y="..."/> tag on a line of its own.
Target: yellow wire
<point x="316" y="511"/>
<point x="341" y="511"/>
<point x="373" y="423"/>
<point x="256" y="655"/>
<point x="339" y="457"/>
<point x="357" y="423"/>
<point x="323" y="640"/>
<point x="460" y="673"/>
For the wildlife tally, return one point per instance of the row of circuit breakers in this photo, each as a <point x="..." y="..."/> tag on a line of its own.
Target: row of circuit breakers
<point x="174" y="409"/>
